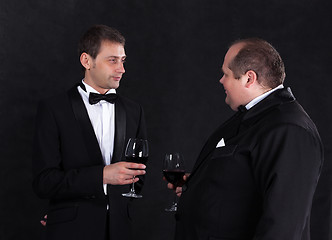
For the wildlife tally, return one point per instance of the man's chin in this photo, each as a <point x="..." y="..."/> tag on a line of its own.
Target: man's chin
<point x="232" y="106"/>
<point x="114" y="86"/>
<point x="227" y="102"/>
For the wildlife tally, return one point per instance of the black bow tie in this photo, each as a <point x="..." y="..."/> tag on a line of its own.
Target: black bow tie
<point x="242" y="109"/>
<point x="95" y="97"/>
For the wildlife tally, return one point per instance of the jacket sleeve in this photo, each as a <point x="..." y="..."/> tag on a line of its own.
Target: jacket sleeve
<point x="51" y="179"/>
<point x="287" y="164"/>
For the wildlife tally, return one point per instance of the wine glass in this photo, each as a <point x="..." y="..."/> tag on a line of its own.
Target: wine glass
<point x="137" y="151"/>
<point x="173" y="170"/>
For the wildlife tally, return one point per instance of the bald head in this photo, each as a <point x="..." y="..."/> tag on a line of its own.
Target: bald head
<point x="259" y="56"/>
<point x="251" y="67"/>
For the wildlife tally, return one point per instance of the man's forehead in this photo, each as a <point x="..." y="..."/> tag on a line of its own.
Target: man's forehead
<point x="108" y="42"/>
<point x="233" y="51"/>
<point x="112" y="49"/>
<point x="223" y="67"/>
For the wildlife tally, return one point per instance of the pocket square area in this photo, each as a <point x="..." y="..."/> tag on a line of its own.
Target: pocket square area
<point x="221" y="143"/>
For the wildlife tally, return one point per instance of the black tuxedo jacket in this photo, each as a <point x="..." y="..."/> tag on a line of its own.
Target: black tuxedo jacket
<point x="260" y="185"/>
<point x="68" y="168"/>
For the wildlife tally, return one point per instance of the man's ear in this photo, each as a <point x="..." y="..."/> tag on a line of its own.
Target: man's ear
<point x="251" y="78"/>
<point x="86" y="61"/>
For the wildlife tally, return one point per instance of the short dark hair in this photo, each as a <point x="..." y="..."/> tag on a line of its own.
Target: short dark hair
<point x="91" y="41"/>
<point x="261" y="57"/>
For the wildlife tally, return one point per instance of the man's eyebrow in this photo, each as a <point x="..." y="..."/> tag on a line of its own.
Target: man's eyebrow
<point x="116" y="56"/>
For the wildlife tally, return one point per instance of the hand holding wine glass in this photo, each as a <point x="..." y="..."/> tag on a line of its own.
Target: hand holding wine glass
<point x="174" y="170"/>
<point x="121" y="173"/>
<point x="178" y="189"/>
<point x="137" y="151"/>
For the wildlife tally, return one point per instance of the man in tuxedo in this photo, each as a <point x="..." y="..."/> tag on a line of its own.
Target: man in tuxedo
<point x="256" y="175"/>
<point x="79" y="146"/>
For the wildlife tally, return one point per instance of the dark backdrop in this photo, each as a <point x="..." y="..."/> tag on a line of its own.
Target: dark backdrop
<point x="175" y="51"/>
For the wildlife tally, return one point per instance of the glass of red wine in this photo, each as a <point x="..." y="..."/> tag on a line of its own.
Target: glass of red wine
<point x="137" y="151"/>
<point x="173" y="170"/>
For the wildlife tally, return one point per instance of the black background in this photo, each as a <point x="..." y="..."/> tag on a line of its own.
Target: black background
<point x="175" y="50"/>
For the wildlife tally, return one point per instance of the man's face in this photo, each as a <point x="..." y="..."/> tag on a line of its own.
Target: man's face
<point x="234" y="88"/>
<point x="106" y="69"/>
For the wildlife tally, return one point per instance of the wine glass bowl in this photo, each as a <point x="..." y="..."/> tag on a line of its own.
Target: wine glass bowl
<point x="137" y="151"/>
<point x="174" y="176"/>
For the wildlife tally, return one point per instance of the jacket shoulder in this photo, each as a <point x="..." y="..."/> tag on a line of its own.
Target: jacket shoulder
<point x="59" y="100"/>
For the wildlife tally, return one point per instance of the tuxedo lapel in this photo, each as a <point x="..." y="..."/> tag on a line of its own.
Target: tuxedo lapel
<point x="226" y="130"/>
<point x="83" y="119"/>
<point x="120" y="130"/>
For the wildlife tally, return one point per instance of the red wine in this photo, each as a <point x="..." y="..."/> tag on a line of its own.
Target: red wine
<point x="174" y="176"/>
<point x="137" y="159"/>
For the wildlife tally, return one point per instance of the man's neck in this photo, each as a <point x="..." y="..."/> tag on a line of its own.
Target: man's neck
<point x="102" y="91"/>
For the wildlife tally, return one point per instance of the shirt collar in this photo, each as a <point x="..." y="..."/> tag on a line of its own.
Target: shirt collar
<point x="261" y="97"/>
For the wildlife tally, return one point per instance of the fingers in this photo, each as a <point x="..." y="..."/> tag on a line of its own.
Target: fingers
<point x="129" y="181"/>
<point x="170" y="186"/>
<point x="133" y="172"/>
<point x="43" y="220"/>
<point x="134" y="169"/>
<point x="134" y="165"/>
<point x="178" y="190"/>
<point x="122" y="173"/>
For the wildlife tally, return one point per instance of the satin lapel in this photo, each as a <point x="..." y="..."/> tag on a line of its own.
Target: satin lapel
<point x="120" y="130"/>
<point x="82" y="117"/>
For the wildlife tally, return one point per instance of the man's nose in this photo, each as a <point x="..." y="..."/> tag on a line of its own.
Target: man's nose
<point x="221" y="80"/>
<point x="121" y="68"/>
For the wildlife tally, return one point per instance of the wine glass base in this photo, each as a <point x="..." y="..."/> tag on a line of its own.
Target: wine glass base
<point x="132" y="195"/>
<point x="173" y="208"/>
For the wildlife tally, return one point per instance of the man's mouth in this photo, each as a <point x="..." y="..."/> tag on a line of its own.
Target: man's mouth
<point x="117" y="78"/>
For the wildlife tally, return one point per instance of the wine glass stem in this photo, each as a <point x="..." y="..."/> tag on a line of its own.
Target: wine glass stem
<point x="132" y="189"/>
<point x="175" y="202"/>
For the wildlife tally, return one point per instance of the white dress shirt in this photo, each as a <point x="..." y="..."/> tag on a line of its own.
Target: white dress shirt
<point x="102" y="117"/>
<point x="261" y="97"/>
